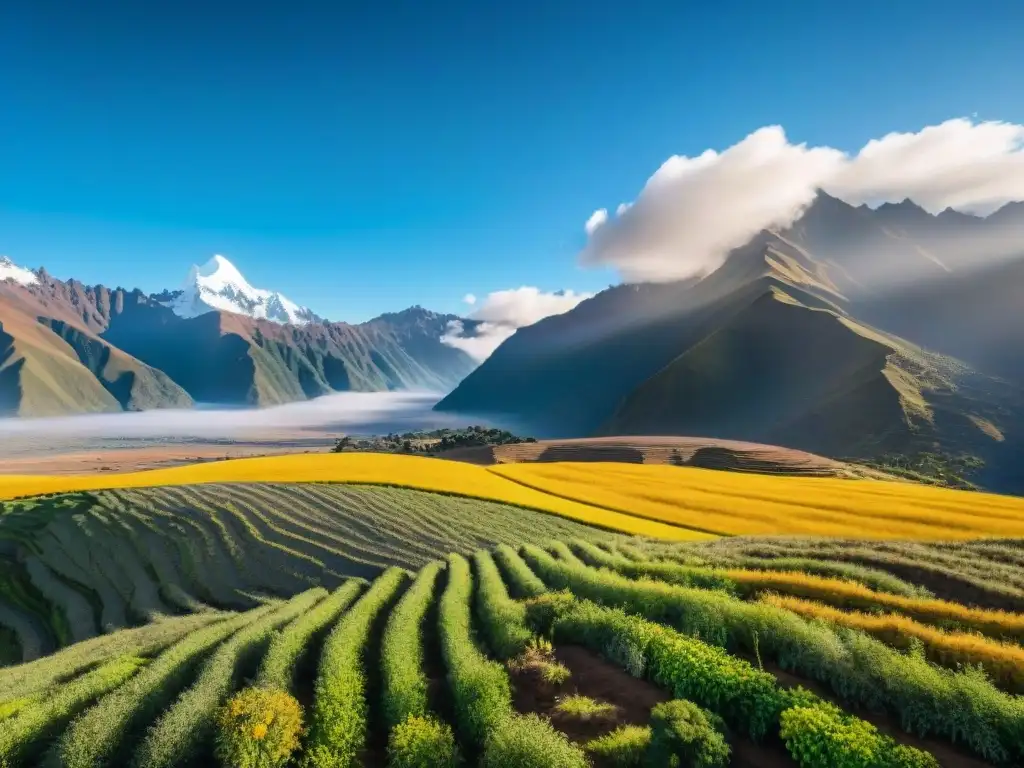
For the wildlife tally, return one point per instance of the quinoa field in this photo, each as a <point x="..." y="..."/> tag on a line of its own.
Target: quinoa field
<point x="335" y="619"/>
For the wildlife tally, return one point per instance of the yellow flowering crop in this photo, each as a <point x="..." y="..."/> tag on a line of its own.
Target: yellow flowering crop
<point x="382" y="469"/>
<point x="734" y="503"/>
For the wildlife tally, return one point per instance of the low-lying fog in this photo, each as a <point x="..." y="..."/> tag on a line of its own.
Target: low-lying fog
<point x="316" y="420"/>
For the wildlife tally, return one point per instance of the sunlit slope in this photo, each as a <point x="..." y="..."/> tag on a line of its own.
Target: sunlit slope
<point x="381" y="469"/>
<point x="744" y="504"/>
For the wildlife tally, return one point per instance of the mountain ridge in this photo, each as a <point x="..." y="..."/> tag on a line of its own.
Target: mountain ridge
<point x="72" y="348"/>
<point x="797" y="339"/>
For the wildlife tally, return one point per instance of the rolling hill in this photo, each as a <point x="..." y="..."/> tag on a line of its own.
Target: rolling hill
<point x="71" y="348"/>
<point x="795" y="340"/>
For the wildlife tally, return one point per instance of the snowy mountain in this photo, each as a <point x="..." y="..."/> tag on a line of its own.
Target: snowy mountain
<point x="11" y="271"/>
<point x="218" y="285"/>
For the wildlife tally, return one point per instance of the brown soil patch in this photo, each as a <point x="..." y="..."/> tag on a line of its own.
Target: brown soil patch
<point x="115" y="460"/>
<point x="709" y="453"/>
<point x="594" y="677"/>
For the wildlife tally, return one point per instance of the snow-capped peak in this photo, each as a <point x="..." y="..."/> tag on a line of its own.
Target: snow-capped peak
<point x="11" y="271"/>
<point x="218" y="285"/>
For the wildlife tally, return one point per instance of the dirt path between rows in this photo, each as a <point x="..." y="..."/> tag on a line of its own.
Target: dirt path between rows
<point x="594" y="677"/>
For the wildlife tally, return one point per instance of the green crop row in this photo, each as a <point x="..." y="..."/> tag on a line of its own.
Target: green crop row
<point x="690" y="576"/>
<point x="39" y="675"/>
<point x="503" y="619"/>
<point x="404" y="682"/>
<point x="746" y="698"/>
<point x="337" y="730"/>
<point x="962" y="707"/>
<point x="821" y="734"/>
<point x="188" y="724"/>
<point x="39" y="719"/>
<point x="278" y="667"/>
<point x="480" y="688"/>
<point x="523" y="581"/>
<point x="482" y="694"/>
<point x="95" y="736"/>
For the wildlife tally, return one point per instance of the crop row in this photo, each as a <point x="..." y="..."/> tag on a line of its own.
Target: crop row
<point x="169" y="550"/>
<point x="187" y="725"/>
<point x="482" y="693"/>
<point x="978" y="572"/>
<point x="95" y="738"/>
<point x="1004" y="662"/>
<point x="836" y="592"/>
<point x="962" y="707"/>
<point x="746" y="698"/>
<point x="338" y="722"/>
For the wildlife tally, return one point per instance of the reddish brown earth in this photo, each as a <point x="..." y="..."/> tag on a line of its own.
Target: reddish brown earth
<point x="682" y="451"/>
<point x="594" y="677"/>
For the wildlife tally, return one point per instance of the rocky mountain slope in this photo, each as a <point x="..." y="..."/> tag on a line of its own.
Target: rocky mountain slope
<point x="795" y="340"/>
<point x="66" y="347"/>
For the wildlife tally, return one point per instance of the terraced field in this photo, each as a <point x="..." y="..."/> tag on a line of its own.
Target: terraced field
<point x="587" y="651"/>
<point x="84" y="564"/>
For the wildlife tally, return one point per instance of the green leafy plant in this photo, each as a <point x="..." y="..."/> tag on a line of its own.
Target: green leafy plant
<point x="422" y="742"/>
<point x="625" y="747"/>
<point x="584" y="708"/>
<point x="683" y="731"/>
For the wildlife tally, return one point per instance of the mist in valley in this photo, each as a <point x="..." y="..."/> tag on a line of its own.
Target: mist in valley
<point x="312" y="422"/>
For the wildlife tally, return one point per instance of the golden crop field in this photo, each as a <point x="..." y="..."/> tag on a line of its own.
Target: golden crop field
<point x="748" y="504"/>
<point x="374" y="469"/>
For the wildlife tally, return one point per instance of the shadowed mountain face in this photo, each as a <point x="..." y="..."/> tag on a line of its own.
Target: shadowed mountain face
<point x="837" y="336"/>
<point x="70" y="348"/>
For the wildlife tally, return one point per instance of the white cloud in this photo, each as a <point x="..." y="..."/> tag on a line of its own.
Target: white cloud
<point x="501" y="313"/>
<point x="694" y="210"/>
<point x="469" y="298"/>
<point x="597" y="218"/>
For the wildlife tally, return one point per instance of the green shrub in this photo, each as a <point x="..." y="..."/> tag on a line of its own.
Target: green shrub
<point x="822" y="736"/>
<point x="422" y="742"/>
<point x="961" y="706"/>
<point x="528" y="741"/>
<point x="183" y="729"/>
<point x="258" y="728"/>
<point x="404" y="683"/>
<point x="682" y="730"/>
<point x="277" y="670"/>
<point x="522" y="581"/>
<point x="625" y="747"/>
<point x="337" y="730"/>
<point x="503" y="619"/>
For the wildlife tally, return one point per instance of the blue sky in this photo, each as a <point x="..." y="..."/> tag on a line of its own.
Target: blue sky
<point x="366" y="157"/>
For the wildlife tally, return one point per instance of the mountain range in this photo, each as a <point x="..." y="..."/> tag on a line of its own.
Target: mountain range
<point x="66" y="347"/>
<point x="854" y="333"/>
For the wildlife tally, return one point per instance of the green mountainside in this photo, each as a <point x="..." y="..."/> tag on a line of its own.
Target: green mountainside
<point x="800" y="339"/>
